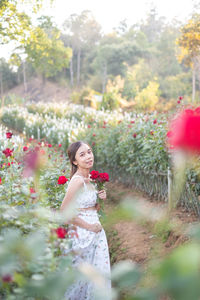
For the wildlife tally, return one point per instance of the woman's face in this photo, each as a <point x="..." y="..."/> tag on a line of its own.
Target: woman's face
<point x="84" y="157"/>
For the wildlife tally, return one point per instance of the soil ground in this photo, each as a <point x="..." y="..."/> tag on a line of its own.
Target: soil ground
<point x="137" y="240"/>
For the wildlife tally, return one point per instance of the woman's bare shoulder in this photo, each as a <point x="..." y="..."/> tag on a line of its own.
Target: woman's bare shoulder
<point x="75" y="183"/>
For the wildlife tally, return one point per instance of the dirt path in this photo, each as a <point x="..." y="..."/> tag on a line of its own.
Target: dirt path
<point x="137" y="240"/>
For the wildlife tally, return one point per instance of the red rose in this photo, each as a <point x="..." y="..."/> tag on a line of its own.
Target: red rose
<point x="89" y="126"/>
<point x="178" y="101"/>
<point x="32" y="191"/>
<point x="8" y="164"/>
<point x="61" y="232"/>
<point x="103" y="177"/>
<point x="60" y="145"/>
<point x="94" y="134"/>
<point x="180" y="97"/>
<point x="132" y="122"/>
<point x="9" y="135"/>
<point x="62" y="180"/>
<point x="49" y="145"/>
<point x="134" y="135"/>
<point x="94" y="174"/>
<point x="7" y="278"/>
<point x="25" y="148"/>
<point x="8" y="152"/>
<point x="185" y="131"/>
<point x="0" y="180"/>
<point x="155" y="121"/>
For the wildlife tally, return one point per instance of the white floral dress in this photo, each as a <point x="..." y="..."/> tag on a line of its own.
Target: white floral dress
<point x="91" y="247"/>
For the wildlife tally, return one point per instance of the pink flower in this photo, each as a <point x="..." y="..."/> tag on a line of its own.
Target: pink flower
<point x="94" y="134"/>
<point x="62" y="180"/>
<point x="9" y="135"/>
<point x="25" y="148"/>
<point x="135" y="135"/>
<point x="60" y="145"/>
<point x="49" y="145"/>
<point x="155" y="121"/>
<point x="132" y="122"/>
<point x="0" y="180"/>
<point x="180" y="97"/>
<point x="178" y="101"/>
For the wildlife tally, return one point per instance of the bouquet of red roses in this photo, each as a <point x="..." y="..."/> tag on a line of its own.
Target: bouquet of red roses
<point x="99" y="179"/>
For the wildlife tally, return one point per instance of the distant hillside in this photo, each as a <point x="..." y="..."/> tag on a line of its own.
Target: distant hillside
<point x="36" y="91"/>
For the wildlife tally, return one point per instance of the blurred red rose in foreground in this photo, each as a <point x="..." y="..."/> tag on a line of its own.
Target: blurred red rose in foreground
<point x="0" y="180"/>
<point x="62" y="180"/>
<point x="184" y="131"/>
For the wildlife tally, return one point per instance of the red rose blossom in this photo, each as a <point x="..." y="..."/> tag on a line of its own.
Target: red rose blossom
<point x="32" y="190"/>
<point x="61" y="232"/>
<point x="62" y="180"/>
<point x="178" y="101"/>
<point x="135" y="135"/>
<point x="8" y="152"/>
<point x="155" y="121"/>
<point x="49" y="145"/>
<point x="60" y="145"/>
<point x="185" y="131"/>
<point x="180" y="97"/>
<point x="9" y="135"/>
<point x="7" y="278"/>
<point x="103" y="177"/>
<point x="94" y="174"/>
<point x="25" y="148"/>
<point x="0" y="180"/>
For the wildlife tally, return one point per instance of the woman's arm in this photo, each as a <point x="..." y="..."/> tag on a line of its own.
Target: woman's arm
<point x="72" y="192"/>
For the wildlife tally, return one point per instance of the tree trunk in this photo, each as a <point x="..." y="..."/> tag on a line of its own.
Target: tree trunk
<point x="104" y="81"/>
<point x="71" y="72"/>
<point x="78" y="66"/>
<point x="24" y="77"/>
<point x="193" y="83"/>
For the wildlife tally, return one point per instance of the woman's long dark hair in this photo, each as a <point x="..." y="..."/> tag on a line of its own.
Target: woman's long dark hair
<point x="71" y="151"/>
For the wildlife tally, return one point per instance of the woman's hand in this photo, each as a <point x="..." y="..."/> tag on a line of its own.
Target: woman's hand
<point x="95" y="227"/>
<point x="102" y="194"/>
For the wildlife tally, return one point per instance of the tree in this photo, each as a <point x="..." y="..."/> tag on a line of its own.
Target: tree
<point x="189" y="42"/>
<point x="47" y="55"/>
<point x="14" y="24"/>
<point x="81" y="33"/>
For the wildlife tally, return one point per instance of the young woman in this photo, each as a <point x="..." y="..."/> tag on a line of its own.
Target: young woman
<point x="90" y="243"/>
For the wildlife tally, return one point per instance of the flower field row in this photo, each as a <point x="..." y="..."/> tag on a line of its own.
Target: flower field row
<point x="131" y="147"/>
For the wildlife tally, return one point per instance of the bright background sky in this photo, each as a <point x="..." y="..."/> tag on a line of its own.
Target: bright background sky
<point x="109" y="13"/>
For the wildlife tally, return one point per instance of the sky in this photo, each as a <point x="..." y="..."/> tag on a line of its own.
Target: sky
<point x="109" y="13"/>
